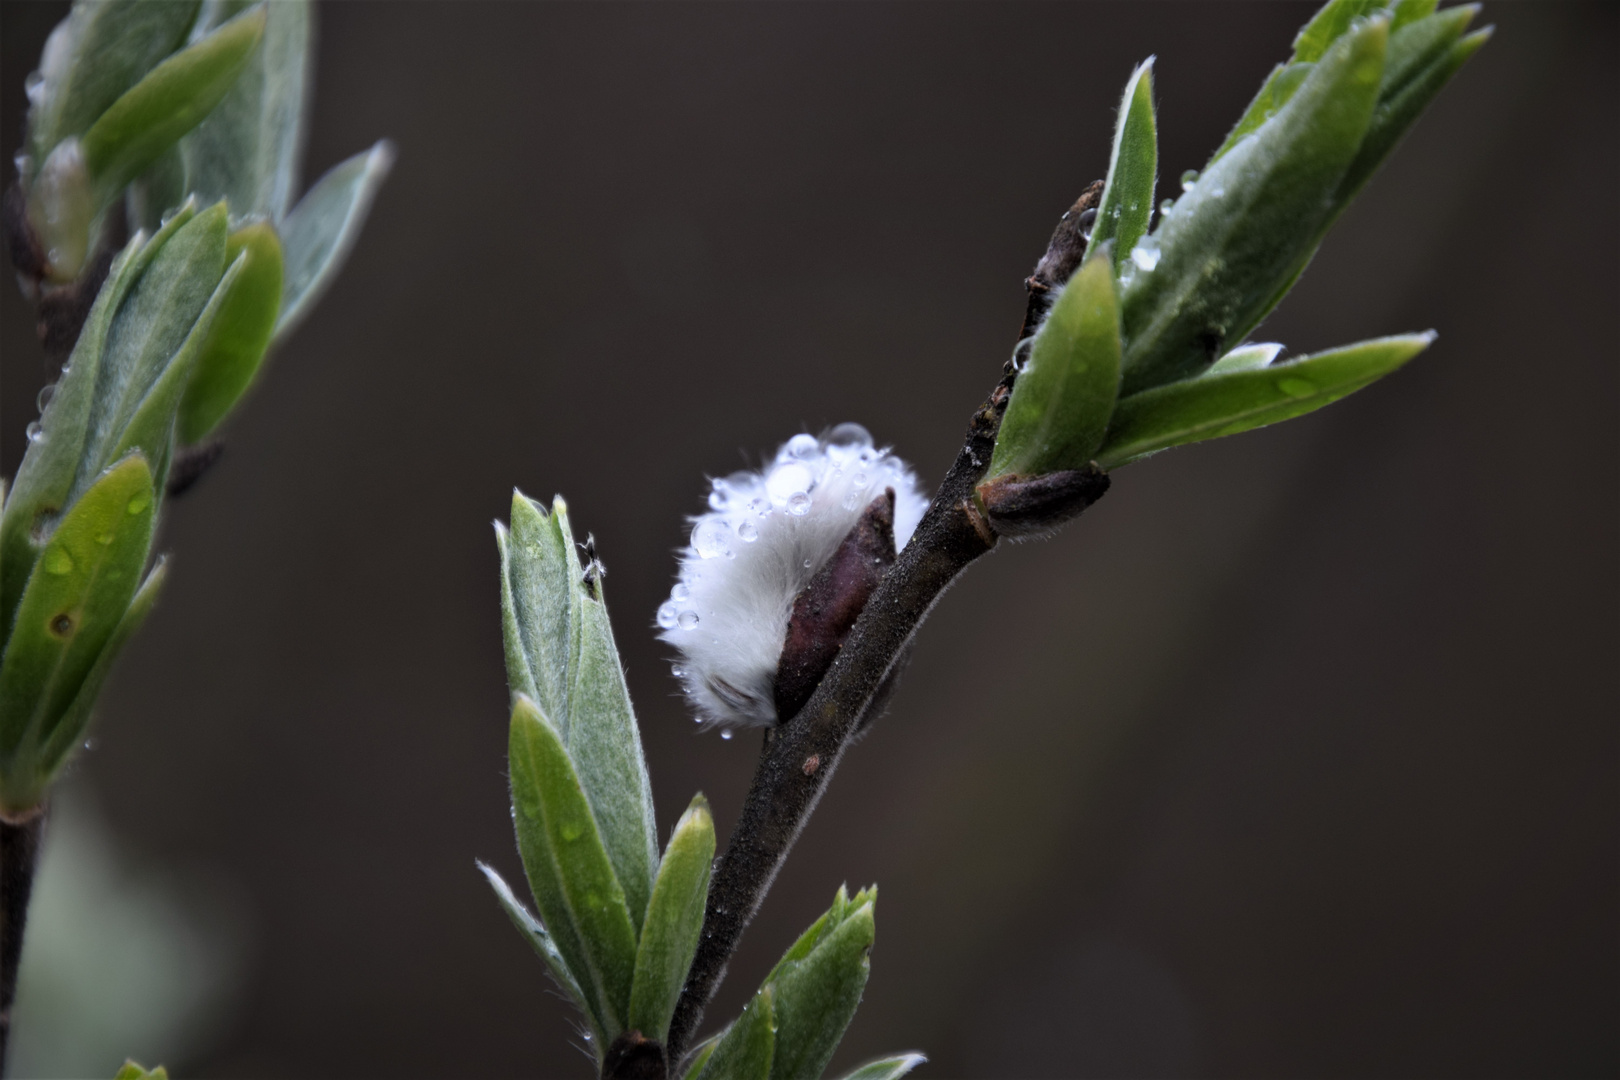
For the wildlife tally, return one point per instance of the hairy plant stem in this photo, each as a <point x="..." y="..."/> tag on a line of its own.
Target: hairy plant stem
<point x="19" y="857"/>
<point x="799" y="756"/>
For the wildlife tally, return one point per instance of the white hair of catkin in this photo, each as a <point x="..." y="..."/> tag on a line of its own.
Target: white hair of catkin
<point x="765" y="536"/>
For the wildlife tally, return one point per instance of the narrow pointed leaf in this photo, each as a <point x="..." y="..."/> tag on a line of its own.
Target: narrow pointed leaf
<point x="1329" y="24"/>
<point x="815" y="997"/>
<point x="247" y="151"/>
<point x="605" y="745"/>
<point x="747" y="1049"/>
<point x="169" y="101"/>
<point x="1226" y="403"/>
<point x="97" y="53"/>
<point x="1243" y="230"/>
<point x="1062" y="399"/>
<point x="889" y="1068"/>
<point x="79" y="590"/>
<point x="541" y="573"/>
<point x="519" y="680"/>
<point x="147" y="336"/>
<point x="580" y="900"/>
<point x="70" y="729"/>
<point x="1246" y="358"/>
<point x="1409" y="11"/>
<point x="320" y="231"/>
<point x="1127" y="199"/>
<point x="698" y="1057"/>
<point x="232" y="352"/>
<point x="669" y="935"/>
<point x="534" y="932"/>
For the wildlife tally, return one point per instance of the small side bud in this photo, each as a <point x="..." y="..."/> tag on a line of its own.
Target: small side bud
<point x="1023" y="506"/>
<point x="826" y="610"/>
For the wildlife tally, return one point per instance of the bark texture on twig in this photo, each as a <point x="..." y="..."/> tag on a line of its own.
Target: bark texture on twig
<point x="19" y="857"/>
<point x="800" y="755"/>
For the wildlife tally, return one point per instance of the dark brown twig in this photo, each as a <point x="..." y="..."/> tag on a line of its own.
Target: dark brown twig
<point x="19" y="857"/>
<point x="800" y="755"/>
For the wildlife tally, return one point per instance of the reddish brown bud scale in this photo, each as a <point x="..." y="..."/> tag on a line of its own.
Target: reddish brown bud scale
<point x="828" y="607"/>
<point x="1022" y="506"/>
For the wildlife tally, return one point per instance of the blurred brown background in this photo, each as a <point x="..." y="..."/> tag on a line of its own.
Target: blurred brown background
<point x="1296" y="756"/>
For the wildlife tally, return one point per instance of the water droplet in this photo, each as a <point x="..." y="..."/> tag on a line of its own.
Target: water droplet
<point x="717" y="497"/>
<point x="586" y="1036"/>
<point x="62" y="625"/>
<point x="788" y="480"/>
<point x="677" y="671"/>
<point x="1146" y="254"/>
<point x="709" y="539"/>
<point x="46" y="392"/>
<point x="1166" y="206"/>
<point x="748" y="532"/>
<point x="571" y="830"/>
<point x="726" y="735"/>
<point x="106" y="538"/>
<point x="680" y="592"/>
<point x="34" y="87"/>
<point x="761" y="507"/>
<point x="807" y="564"/>
<point x="803" y="447"/>
<point x="852" y="500"/>
<point x="1296" y="387"/>
<point x="687" y="620"/>
<point x="667" y="614"/>
<point x="139" y="501"/>
<point x="860" y="481"/>
<point x="1188" y="179"/>
<point x="58" y="561"/>
<point x="849" y="437"/>
<point x="34" y="431"/>
<point x="91" y="744"/>
<point x="798" y="504"/>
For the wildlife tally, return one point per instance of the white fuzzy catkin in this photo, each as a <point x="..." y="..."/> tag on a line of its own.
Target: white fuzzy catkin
<point x="765" y="536"/>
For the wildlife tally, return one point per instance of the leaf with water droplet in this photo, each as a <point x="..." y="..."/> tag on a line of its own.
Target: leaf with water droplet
<point x="669" y="935"/>
<point x="578" y="896"/>
<point x="1127" y="199"/>
<point x="1234" y="400"/>
<point x="1062" y="400"/>
<point x="90" y="584"/>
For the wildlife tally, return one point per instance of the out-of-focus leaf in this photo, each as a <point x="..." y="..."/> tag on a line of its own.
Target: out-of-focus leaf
<point x="699" y="1055"/>
<point x="1127" y="198"/>
<point x="133" y="1071"/>
<point x="320" y="231"/>
<point x="560" y="643"/>
<point x="817" y="986"/>
<point x="70" y="728"/>
<point x="1062" y="399"/>
<point x="889" y="1068"/>
<point x="1409" y="11"/>
<point x="531" y="929"/>
<point x="580" y="899"/>
<point x="1226" y="403"/>
<point x="247" y="151"/>
<point x="1214" y="265"/>
<point x="99" y="51"/>
<point x="1329" y="24"/>
<point x="669" y="935"/>
<point x="172" y="99"/>
<point x="235" y="345"/>
<point x="80" y="588"/>
<point x="1246" y="358"/>
<point x="746" y="1050"/>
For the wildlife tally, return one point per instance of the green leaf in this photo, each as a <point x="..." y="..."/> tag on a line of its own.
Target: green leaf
<point x="93" y="56"/>
<point x="150" y="345"/>
<point x="889" y="1068"/>
<point x="247" y="151"/>
<point x="580" y="899"/>
<point x="560" y="643"/>
<point x="70" y="728"/>
<point x="699" y="1055"/>
<point x="172" y="99"/>
<point x="746" y="1050"/>
<point x="1246" y="358"/>
<point x="1062" y="399"/>
<point x="79" y="590"/>
<point x="1215" y="263"/>
<point x="132" y="1071"/>
<point x="530" y="928"/>
<point x="1409" y="11"/>
<point x="1330" y="23"/>
<point x="1228" y="402"/>
<point x="321" y="230"/>
<point x="233" y="349"/>
<point x="817" y="986"/>
<point x="674" y="920"/>
<point x="1127" y="198"/>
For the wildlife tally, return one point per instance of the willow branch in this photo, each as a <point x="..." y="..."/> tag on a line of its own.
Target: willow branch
<point x="800" y="755"/>
<point x="19" y="857"/>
